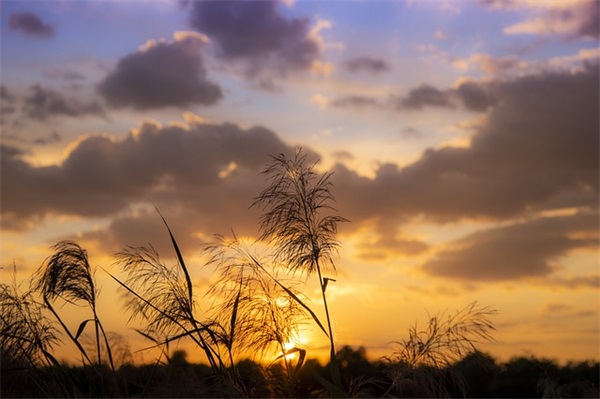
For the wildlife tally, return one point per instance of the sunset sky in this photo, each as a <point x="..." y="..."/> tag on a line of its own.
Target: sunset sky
<point x="463" y="138"/>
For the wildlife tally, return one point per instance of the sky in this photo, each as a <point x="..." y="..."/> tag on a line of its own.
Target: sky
<point x="462" y="136"/>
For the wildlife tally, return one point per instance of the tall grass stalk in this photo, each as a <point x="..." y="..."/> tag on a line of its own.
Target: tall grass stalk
<point x="26" y="334"/>
<point x="424" y="359"/>
<point x="157" y="294"/>
<point x="258" y="310"/>
<point x="300" y="222"/>
<point x="67" y="275"/>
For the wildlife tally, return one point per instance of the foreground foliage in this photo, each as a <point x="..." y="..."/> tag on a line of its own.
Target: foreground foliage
<point x="258" y="306"/>
<point x="481" y="376"/>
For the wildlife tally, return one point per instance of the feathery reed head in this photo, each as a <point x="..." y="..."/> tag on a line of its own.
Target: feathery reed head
<point x="157" y="292"/>
<point x="293" y="216"/>
<point x="67" y="274"/>
<point x="447" y="338"/>
<point x="255" y="310"/>
<point x="26" y="335"/>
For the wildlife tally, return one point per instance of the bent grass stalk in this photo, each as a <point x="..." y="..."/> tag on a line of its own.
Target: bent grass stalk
<point x="293" y="222"/>
<point x="67" y="275"/>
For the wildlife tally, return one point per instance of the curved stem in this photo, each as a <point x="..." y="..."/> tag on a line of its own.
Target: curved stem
<point x="335" y="371"/>
<point x="66" y="329"/>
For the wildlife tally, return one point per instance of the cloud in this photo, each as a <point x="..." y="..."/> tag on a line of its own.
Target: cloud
<point x="367" y="64"/>
<point x="520" y="250"/>
<point x="575" y="20"/>
<point x="161" y="74"/>
<point x="474" y="96"/>
<point x="424" y="95"/>
<point x="257" y="35"/>
<point x="170" y="166"/>
<point x="30" y="24"/>
<point x="386" y="246"/>
<point x="53" y="137"/>
<point x="70" y="78"/>
<point x="354" y="101"/>
<point x="471" y="95"/>
<point x="7" y="101"/>
<point x="42" y="103"/>
<point x="590" y="281"/>
<point x="490" y="65"/>
<point x="553" y="308"/>
<point x="535" y="147"/>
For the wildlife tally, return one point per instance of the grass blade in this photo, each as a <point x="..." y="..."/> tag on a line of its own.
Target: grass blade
<point x="82" y="327"/>
<point x="234" y="316"/>
<point x="292" y="295"/>
<point x="188" y="280"/>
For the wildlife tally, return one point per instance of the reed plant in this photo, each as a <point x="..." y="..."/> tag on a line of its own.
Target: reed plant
<point x="27" y="338"/>
<point x="299" y="221"/>
<point x="257" y="309"/>
<point x="163" y="296"/>
<point x="67" y="275"/>
<point x="422" y="363"/>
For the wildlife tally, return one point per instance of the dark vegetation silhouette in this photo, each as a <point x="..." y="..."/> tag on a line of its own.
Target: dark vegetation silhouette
<point x="258" y="308"/>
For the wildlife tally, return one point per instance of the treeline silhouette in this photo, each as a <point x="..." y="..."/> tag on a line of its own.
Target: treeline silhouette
<point x="477" y="375"/>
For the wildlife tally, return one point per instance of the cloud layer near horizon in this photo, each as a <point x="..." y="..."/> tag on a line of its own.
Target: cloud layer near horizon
<point x="536" y="150"/>
<point x="537" y="144"/>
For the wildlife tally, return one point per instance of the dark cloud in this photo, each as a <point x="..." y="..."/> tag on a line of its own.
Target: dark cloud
<point x="538" y="146"/>
<point x="367" y="64"/>
<point x="355" y="101"/>
<point x="5" y="94"/>
<point x="7" y="101"/>
<point x="42" y="103"/>
<point x="474" y="96"/>
<point x="205" y="169"/>
<point x="589" y="26"/>
<point x="385" y="247"/>
<point x="163" y="74"/>
<point x="590" y="281"/>
<point x="30" y="24"/>
<point x="53" y="137"/>
<point x="521" y="250"/>
<point x="424" y="95"/>
<point x="256" y="34"/>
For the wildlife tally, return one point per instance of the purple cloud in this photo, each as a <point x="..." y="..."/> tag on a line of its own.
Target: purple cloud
<point x="30" y="24"/>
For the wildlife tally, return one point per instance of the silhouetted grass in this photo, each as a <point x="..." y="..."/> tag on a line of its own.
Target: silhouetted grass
<point x="300" y="222"/>
<point x="67" y="275"/>
<point x="258" y="308"/>
<point x="421" y="364"/>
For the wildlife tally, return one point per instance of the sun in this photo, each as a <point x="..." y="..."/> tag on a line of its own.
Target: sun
<point x="294" y="346"/>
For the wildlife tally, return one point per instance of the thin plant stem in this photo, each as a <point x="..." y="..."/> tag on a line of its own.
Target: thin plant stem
<point x="335" y="370"/>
